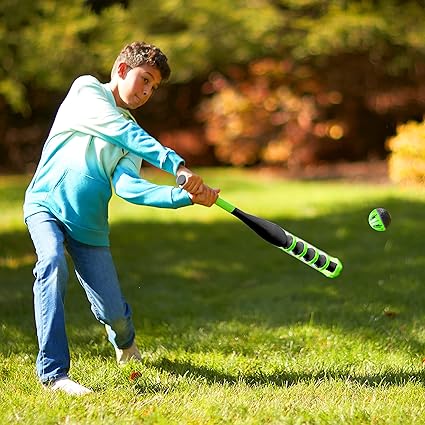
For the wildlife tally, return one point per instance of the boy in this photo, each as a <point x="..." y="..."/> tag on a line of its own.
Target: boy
<point x="95" y="143"/>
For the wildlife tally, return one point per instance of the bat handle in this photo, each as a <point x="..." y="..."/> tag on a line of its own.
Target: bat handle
<point x="227" y="206"/>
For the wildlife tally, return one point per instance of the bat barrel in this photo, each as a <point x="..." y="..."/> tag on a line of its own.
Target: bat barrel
<point x="316" y="258"/>
<point x="304" y="251"/>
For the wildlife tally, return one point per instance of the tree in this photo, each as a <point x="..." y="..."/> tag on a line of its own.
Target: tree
<point x="370" y="51"/>
<point x="200" y="36"/>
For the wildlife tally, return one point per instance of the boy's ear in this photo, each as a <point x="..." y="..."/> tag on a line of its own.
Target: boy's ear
<point x="122" y="69"/>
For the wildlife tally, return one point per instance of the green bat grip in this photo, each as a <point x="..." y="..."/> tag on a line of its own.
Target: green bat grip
<point x="227" y="206"/>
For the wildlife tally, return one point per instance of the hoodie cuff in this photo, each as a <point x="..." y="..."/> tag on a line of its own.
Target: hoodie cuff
<point x="180" y="198"/>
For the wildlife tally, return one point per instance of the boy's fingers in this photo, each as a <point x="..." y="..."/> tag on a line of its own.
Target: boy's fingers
<point x="212" y="196"/>
<point x="207" y="197"/>
<point x="198" y="187"/>
<point x="194" y="185"/>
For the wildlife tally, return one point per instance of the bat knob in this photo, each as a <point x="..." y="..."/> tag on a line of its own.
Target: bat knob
<point x="181" y="180"/>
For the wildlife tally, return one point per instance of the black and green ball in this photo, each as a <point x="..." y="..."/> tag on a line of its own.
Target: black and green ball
<point x="379" y="219"/>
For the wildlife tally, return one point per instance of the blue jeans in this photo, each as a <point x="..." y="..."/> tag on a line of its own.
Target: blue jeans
<point x="96" y="273"/>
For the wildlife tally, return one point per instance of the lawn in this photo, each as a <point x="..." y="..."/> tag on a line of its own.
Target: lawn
<point x="233" y="330"/>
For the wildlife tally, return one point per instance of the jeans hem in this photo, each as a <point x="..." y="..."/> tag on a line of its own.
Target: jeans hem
<point x="51" y="379"/>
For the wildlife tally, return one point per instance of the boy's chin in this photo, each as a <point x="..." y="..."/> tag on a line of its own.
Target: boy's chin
<point x="133" y="106"/>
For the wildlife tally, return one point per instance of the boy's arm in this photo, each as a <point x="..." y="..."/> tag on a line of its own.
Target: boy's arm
<point x="130" y="186"/>
<point x="90" y="108"/>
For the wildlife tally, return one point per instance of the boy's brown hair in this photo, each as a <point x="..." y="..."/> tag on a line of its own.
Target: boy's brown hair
<point x="140" y="53"/>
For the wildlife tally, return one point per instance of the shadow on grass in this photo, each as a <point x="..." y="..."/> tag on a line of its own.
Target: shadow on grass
<point x="287" y="379"/>
<point x="16" y="264"/>
<point x="179" y="276"/>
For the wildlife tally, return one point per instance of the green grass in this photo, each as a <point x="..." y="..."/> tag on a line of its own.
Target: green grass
<point x="232" y="330"/>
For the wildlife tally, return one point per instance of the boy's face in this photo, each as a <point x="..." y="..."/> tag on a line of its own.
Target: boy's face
<point x="136" y="85"/>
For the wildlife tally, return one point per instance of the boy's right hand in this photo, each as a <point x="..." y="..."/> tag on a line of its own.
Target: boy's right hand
<point x="206" y="197"/>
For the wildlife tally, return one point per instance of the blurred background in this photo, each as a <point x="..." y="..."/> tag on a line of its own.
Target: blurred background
<point x="305" y="87"/>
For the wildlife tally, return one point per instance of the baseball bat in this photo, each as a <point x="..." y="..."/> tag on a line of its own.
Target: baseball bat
<point x="272" y="233"/>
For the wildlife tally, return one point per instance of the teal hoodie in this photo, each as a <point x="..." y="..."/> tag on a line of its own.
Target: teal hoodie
<point x="93" y="145"/>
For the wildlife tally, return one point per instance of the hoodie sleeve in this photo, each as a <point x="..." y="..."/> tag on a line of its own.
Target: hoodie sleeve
<point x="91" y="109"/>
<point x="130" y="186"/>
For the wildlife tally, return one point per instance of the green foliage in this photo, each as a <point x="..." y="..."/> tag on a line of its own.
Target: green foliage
<point x="232" y="330"/>
<point x="197" y="36"/>
<point x="332" y="27"/>
<point x="47" y="43"/>
<point x="407" y="159"/>
<point x="13" y="18"/>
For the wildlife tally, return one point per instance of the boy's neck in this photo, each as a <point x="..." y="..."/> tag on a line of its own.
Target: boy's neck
<point x="113" y="85"/>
